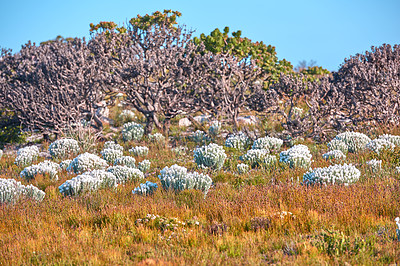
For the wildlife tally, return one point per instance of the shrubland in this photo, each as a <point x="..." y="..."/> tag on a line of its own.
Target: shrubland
<point x="314" y="179"/>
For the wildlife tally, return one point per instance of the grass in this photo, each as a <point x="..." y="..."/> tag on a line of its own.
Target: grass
<point x="241" y="221"/>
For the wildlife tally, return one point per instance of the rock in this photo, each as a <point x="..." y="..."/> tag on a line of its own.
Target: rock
<point x="202" y="118"/>
<point x="248" y="120"/>
<point x="184" y="122"/>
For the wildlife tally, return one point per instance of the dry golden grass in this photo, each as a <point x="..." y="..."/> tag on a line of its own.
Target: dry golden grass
<point x="241" y="221"/>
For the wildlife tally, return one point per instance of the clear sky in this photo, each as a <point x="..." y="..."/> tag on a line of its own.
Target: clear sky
<point x="323" y="31"/>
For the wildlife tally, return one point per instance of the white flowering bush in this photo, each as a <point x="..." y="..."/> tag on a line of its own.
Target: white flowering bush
<point x="86" y="162"/>
<point x="338" y="145"/>
<point x="270" y="159"/>
<point x="126" y="161"/>
<point x="127" y="115"/>
<point x="268" y="143"/>
<point x="354" y="141"/>
<point x="334" y="154"/>
<point x="391" y="138"/>
<point x="25" y="156"/>
<point x="1" y="154"/>
<point x="110" y="155"/>
<point x="132" y="131"/>
<point x="177" y="178"/>
<point x="87" y="182"/>
<point x="43" y="168"/>
<point x="144" y="166"/>
<point x="377" y="145"/>
<point x="112" y="145"/>
<point x="64" y="164"/>
<point x="211" y="155"/>
<point x="242" y="168"/>
<point x="334" y="174"/>
<point x="157" y="137"/>
<point x="296" y="156"/>
<point x="125" y="174"/>
<point x="145" y="189"/>
<point x="108" y="179"/>
<point x="238" y="141"/>
<point x="63" y="148"/>
<point x="199" y="136"/>
<point x="255" y="157"/>
<point x="214" y="129"/>
<point x="375" y="165"/>
<point x="11" y="191"/>
<point x="139" y="151"/>
<point x="398" y="169"/>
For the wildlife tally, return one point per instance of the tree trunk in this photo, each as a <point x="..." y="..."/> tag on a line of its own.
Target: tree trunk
<point x="149" y="124"/>
<point x="166" y="125"/>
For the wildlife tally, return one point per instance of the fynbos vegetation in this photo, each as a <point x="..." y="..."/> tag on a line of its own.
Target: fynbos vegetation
<point x="161" y="148"/>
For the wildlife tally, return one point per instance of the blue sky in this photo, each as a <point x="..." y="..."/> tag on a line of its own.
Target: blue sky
<point x="323" y="31"/>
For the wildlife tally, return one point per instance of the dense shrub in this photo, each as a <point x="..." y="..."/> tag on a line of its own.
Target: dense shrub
<point x="132" y="131"/>
<point x="125" y="161"/>
<point x="238" y="141"/>
<point x="255" y="157"/>
<point x="145" y="189"/>
<point x="354" y="141"/>
<point x="144" y="166"/>
<point x="334" y="154"/>
<point x="25" y="156"/>
<point x="268" y="143"/>
<point x="11" y="191"/>
<point x="110" y="155"/>
<point x="87" y="182"/>
<point x="177" y="178"/>
<point x="297" y="156"/>
<point x="43" y="168"/>
<point x="86" y="162"/>
<point x="212" y="156"/>
<point x="63" y="148"/>
<point x="334" y="174"/>
<point x="125" y="174"/>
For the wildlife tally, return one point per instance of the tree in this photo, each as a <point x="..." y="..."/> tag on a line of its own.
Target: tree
<point x="156" y="68"/>
<point x="370" y="83"/>
<point x="52" y="85"/>
<point x="243" y="48"/>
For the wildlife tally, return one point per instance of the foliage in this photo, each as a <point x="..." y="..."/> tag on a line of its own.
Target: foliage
<point x="125" y="161"/>
<point x="144" y="166"/>
<point x="334" y="154"/>
<point x="212" y="156"/>
<point x="255" y="157"/>
<point x="63" y="148"/>
<point x="145" y="189"/>
<point x="238" y="141"/>
<point x="177" y="178"/>
<point x="125" y="174"/>
<point x="85" y="162"/>
<point x="11" y="191"/>
<point x="87" y="182"/>
<point x="43" y="168"/>
<point x="296" y="156"/>
<point x="268" y="143"/>
<point x="25" y="156"/>
<point x="110" y="155"/>
<point x="243" y="48"/>
<point x="132" y="131"/>
<point x="334" y="174"/>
